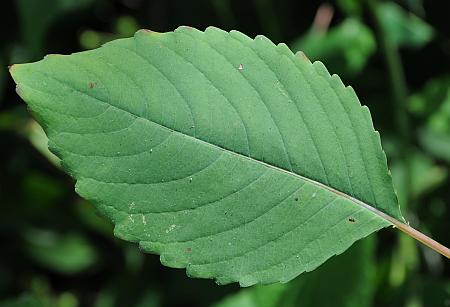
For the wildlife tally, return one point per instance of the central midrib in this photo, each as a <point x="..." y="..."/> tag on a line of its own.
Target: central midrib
<point x="239" y="155"/>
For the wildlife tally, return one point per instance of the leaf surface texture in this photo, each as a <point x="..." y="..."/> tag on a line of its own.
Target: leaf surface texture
<point x="228" y="156"/>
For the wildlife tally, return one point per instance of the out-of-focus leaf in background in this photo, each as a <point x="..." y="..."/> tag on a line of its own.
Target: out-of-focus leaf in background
<point x="425" y="176"/>
<point x="345" y="48"/>
<point x="64" y="253"/>
<point x="402" y="28"/>
<point x="438" y="144"/>
<point x="434" y="94"/>
<point x="433" y="103"/>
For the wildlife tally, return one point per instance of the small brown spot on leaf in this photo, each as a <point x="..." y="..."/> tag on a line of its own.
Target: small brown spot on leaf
<point x="188" y="249"/>
<point x="352" y="220"/>
<point x="92" y="84"/>
<point x="241" y="66"/>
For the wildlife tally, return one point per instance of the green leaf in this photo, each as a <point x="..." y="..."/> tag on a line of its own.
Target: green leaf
<point x="230" y="157"/>
<point x="320" y="287"/>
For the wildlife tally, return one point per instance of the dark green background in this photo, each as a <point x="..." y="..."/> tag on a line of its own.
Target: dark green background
<point x="57" y="252"/>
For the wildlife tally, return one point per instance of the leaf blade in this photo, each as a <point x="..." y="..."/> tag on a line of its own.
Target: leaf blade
<point x="170" y="152"/>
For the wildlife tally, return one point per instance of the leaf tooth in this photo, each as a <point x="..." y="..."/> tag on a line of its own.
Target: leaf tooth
<point x="354" y="103"/>
<point x="122" y="231"/>
<point x="196" y="271"/>
<point x="285" y="49"/>
<point x="248" y="281"/>
<point x="174" y="261"/>
<point x="182" y="29"/>
<point x="215" y="29"/>
<point x="335" y="80"/>
<point x="265" y="40"/>
<point x="240" y="35"/>
<point x="302" y="56"/>
<point x="152" y="247"/>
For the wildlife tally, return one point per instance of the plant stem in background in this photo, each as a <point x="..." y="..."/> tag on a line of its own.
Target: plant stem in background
<point x="399" y="92"/>
<point x="323" y="17"/>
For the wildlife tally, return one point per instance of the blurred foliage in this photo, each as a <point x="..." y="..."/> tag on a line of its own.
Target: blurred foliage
<point x="345" y="48"/>
<point x="69" y="254"/>
<point x="402" y="28"/>
<point x="425" y="175"/>
<point x="125" y="26"/>
<point x="434" y="94"/>
<point x="58" y="252"/>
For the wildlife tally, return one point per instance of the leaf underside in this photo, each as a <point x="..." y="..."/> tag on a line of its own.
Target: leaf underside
<point x="320" y="287"/>
<point x="230" y="157"/>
